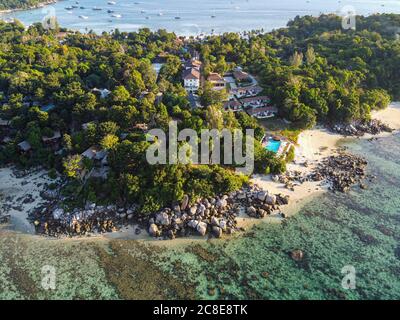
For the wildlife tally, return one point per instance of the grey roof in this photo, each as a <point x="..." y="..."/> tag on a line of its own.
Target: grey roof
<point x="25" y="146"/>
<point x="56" y="135"/>
<point x="90" y="153"/>
<point x="4" y="122"/>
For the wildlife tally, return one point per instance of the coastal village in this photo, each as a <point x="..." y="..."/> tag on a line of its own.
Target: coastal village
<point x="206" y="216"/>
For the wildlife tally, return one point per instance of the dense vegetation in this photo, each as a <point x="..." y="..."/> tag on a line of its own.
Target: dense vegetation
<point x="19" y="4"/>
<point x="38" y="67"/>
<point x="316" y="71"/>
<point x="313" y="71"/>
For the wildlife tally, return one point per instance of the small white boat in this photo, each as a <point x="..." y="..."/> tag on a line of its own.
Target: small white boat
<point x="116" y="16"/>
<point x="111" y="3"/>
<point x="84" y="17"/>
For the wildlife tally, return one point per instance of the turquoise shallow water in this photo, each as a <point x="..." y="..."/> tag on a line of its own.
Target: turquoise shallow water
<point x="359" y="229"/>
<point x="230" y="15"/>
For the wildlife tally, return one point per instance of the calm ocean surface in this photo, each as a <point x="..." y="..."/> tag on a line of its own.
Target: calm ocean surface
<point x="196" y="17"/>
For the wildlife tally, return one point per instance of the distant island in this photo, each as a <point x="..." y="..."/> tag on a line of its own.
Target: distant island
<point x="81" y="106"/>
<point x="10" y="5"/>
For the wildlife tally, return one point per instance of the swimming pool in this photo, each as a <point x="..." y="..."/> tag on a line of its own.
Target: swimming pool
<point x="273" y="145"/>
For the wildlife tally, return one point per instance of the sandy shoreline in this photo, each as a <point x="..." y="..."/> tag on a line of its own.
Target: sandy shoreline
<point x="313" y="146"/>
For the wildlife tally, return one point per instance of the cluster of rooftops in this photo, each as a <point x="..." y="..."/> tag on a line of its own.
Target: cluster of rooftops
<point x="243" y="89"/>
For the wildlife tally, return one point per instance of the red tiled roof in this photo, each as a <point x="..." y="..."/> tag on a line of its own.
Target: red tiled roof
<point x="191" y="74"/>
<point x="240" y="75"/>
<point x="215" y="77"/>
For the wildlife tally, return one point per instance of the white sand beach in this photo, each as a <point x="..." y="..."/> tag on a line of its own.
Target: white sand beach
<point x="313" y="146"/>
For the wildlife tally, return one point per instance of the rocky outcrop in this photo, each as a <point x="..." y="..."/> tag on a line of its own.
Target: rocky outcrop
<point x="211" y="217"/>
<point x="340" y="172"/>
<point x="360" y="128"/>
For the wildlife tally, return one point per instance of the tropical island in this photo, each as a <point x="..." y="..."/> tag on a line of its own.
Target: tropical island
<point x="81" y="105"/>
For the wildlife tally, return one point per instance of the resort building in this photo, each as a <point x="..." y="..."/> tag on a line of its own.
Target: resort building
<point x="4" y="123"/>
<point x="233" y="105"/>
<point x="25" y="146"/>
<point x="54" y="141"/>
<point x="263" y="113"/>
<point x="104" y="93"/>
<point x="100" y="168"/>
<point x="94" y="153"/>
<point x="244" y="92"/>
<point x="217" y="81"/>
<point x="191" y="80"/>
<point x="255" y="102"/>
<point x="241" y="76"/>
<point x="193" y="64"/>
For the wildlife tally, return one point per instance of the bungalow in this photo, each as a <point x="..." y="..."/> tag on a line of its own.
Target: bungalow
<point x="6" y="140"/>
<point x="100" y="173"/>
<point x="94" y="153"/>
<point x="104" y="93"/>
<point x="25" y="146"/>
<point x="193" y="64"/>
<point x="255" y="102"/>
<point x="250" y="91"/>
<point x="4" y="123"/>
<point x="56" y="135"/>
<point x="191" y="79"/>
<point x="53" y="141"/>
<point x="233" y="106"/>
<point x="263" y="113"/>
<point x="217" y="81"/>
<point x="100" y="158"/>
<point x="241" y="76"/>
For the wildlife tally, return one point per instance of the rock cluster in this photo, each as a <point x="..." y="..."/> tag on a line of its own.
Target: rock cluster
<point x="361" y="128"/>
<point x="340" y="171"/>
<point x="55" y="221"/>
<point x="213" y="216"/>
<point x="208" y="216"/>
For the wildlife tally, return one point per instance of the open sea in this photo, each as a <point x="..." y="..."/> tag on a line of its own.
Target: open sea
<point x="199" y="17"/>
